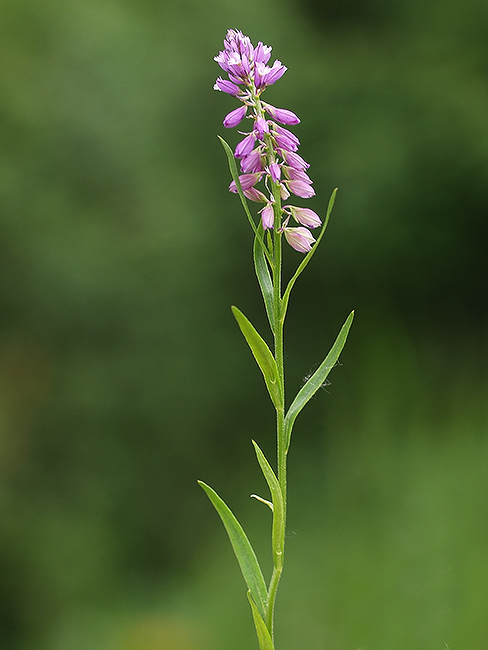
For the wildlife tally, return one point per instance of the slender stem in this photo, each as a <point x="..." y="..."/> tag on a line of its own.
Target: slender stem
<point x="279" y="317"/>
<point x="280" y="411"/>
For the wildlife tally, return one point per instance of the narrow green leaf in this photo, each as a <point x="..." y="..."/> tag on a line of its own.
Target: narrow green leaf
<point x="317" y="379"/>
<point x="278" y="533"/>
<point x="263" y="356"/>
<point x="242" y="548"/>
<point x="308" y="256"/>
<point x="264" y="276"/>
<point x="264" y="637"/>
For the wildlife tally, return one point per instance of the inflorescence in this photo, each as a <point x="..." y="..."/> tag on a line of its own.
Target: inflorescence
<point x="268" y="152"/>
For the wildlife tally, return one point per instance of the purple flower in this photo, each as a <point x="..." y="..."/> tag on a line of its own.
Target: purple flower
<point x="269" y="148"/>
<point x="253" y="161"/>
<point x="304" y="216"/>
<point x="301" y="188"/>
<point x="287" y="134"/>
<point x="246" y="181"/>
<point x="255" y="195"/>
<point x="267" y="216"/>
<point x="300" y="239"/>
<point x="296" y="174"/>
<point x="261" y="127"/>
<point x="234" y="117"/>
<point x="226" y="86"/>
<point x="284" y="193"/>
<point x="245" y="146"/>
<point x="275" y="172"/>
<point x="294" y="160"/>
<point x="262" y="53"/>
<point x="281" y="115"/>
<point x="285" y="143"/>
<point x="265" y="76"/>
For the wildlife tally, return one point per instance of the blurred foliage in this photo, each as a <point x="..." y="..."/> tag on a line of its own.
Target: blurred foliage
<point x="123" y="378"/>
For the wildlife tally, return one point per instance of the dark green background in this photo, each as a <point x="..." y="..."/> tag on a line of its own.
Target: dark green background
<point x="123" y="377"/>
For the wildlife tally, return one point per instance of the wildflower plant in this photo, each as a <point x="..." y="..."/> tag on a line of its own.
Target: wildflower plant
<point x="271" y="172"/>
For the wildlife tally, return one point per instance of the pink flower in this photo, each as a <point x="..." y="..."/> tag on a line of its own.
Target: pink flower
<point x="301" y="188"/>
<point x="285" y="143"/>
<point x="261" y="127"/>
<point x="245" y="146"/>
<point x="234" y="117"/>
<point x="281" y="115"/>
<point x="267" y="216"/>
<point x="262" y="53"/>
<point x="226" y="86"/>
<point x="275" y="172"/>
<point x="300" y="239"/>
<point x="255" y="195"/>
<point x="304" y="216"/>
<point x="252" y="162"/>
<point x="294" y="160"/>
<point x="296" y="174"/>
<point x="246" y="181"/>
<point x="265" y="76"/>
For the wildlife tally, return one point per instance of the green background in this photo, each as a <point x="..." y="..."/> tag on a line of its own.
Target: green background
<point x="123" y="378"/>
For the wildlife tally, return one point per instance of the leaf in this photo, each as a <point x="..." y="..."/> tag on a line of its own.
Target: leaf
<point x="263" y="356"/>
<point x="264" y="276"/>
<point x="278" y="507"/>
<point x="308" y="256"/>
<point x="242" y="548"/>
<point x="316" y="380"/>
<point x="264" y="637"/>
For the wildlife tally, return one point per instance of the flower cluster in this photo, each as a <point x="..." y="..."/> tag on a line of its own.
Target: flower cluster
<point x="268" y="152"/>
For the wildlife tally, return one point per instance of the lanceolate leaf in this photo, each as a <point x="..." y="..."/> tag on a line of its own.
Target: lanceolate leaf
<point x="278" y="506"/>
<point x="316" y="380"/>
<point x="263" y="356"/>
<point x="242" y="548"/>
<point x="264" y="637"/>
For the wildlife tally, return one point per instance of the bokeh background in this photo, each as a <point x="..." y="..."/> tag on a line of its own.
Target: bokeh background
<point x="123" y="377"/>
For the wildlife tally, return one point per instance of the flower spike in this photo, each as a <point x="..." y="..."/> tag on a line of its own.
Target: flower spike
<point x="268" y="153"/>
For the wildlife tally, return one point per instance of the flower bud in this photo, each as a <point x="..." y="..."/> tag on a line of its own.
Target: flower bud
<point x="300" y="239"/>
<point x="234" y="117"/>
<point x="281" y="115"/>
<point x="304" y="216"/>
<point x="301" y="188"/>
<point x="267" y="216"/>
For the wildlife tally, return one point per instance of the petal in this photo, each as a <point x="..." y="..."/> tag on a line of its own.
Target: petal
<point x="300" y="188"/>
<point x="275" y="171"/>
<point x="245" y="146"/>
<point x="234" y="117"/>
<point x="255" y="195"/>
<point x="267" y="216"/>
<point x="246" y="181"/>
<point x="300" y="239"/>
<point x="285" y="143"/>
<point x="226" y="86"/>
<point x="261" y="127"/>
<point x="294" y="160"/>
<point x="282" y="115"/>
<point x="274" y="73"/>
<point x="296" y="174"/>
<point x="252" y="162"/>
<point x="305" y="216"/>
<point x="262" y="53"/>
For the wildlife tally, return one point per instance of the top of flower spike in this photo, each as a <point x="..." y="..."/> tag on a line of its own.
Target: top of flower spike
<point x="244" y="63"/>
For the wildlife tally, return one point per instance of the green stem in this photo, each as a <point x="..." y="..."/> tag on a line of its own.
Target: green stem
<point x="280" y="411"/>
<point x="279" y="317"/>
